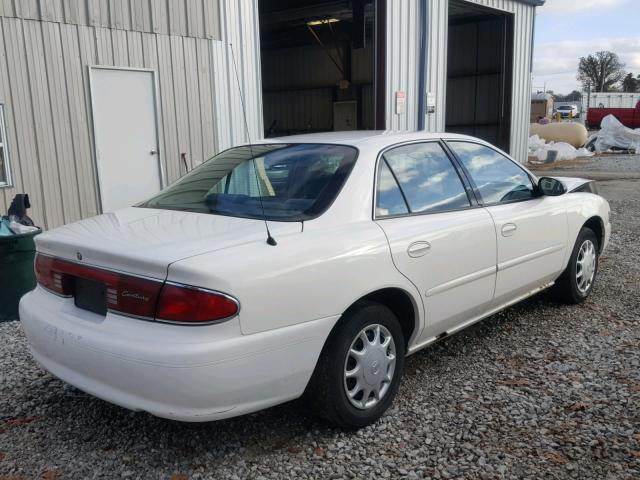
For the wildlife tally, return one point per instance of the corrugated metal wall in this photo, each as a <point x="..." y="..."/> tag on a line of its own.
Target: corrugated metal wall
<point x="609" y="100"/>
<point x="46" y="47"/>
<point x="302" y="97"/>
<point x="474" y="86"/>
<point x="192" y="18"/>
<point x="403" y="37"/>
<point x="403" y="64"/>
<point x="521" y="96"/>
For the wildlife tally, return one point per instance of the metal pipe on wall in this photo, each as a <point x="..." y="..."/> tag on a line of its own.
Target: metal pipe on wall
<point x="422" y="68"/>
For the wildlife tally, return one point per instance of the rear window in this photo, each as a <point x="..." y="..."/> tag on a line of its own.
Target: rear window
<point x="293" y="182"/>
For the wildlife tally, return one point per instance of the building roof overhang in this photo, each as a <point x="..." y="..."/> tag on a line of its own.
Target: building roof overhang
<point x="535" y="3"/>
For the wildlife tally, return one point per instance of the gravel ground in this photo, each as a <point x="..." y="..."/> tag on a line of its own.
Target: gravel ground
<point x="614" y="164"/>
<point x="541" y="390"/>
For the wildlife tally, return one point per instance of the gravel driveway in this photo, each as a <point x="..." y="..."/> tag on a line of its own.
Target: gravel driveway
<point x="600" y="167"/>
<point x="540" y="391"/>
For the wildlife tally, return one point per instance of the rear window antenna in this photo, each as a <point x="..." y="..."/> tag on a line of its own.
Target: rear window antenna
<point x="270" y="240"/>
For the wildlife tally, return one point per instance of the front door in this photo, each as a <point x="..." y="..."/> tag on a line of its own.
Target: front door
<point x="528" y="256"/>
<point x="126" y="138"/>
<point x="439" y="238"/>
<point x="531" y="230"/>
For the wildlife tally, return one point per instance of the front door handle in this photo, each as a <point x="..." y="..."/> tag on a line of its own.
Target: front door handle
<point x="508" y="229"/>
<point x="418" y="249"/>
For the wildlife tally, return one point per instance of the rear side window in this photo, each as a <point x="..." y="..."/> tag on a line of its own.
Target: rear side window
<point x="426" y="178"/>
<point x="498" y="179"/>
<point x="389" y="199"/>
<point x="292" y="182"/>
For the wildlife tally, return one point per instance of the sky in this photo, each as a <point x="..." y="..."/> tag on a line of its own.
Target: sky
<point x="569" y="29"/>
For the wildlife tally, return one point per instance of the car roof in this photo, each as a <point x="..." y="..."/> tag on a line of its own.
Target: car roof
<point x="370" y="138"/>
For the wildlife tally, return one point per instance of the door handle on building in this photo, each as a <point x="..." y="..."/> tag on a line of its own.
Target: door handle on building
<point x="418" y="249"/>
<point x="509" y="229"/>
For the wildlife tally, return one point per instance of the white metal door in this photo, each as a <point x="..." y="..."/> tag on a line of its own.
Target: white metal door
<point x="126" y="137"/>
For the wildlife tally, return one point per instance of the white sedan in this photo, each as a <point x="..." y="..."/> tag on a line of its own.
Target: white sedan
<point x="304" y="265"/>
<point x="568" y="111"/>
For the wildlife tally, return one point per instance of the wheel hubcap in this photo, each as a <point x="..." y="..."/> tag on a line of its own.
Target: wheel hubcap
<point x="369" y="366"/>
<point x="586" y="266"/>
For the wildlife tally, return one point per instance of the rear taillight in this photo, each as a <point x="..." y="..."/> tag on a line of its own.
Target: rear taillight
<point x="136" y="296"/>
<point x="131" y="295"/>
<point x="124" y="293"/>
<point x="179" y="303"/>
<point x="52" y="278"/>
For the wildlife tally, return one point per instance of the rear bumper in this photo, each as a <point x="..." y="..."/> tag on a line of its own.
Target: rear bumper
<point x="183" y="373"/>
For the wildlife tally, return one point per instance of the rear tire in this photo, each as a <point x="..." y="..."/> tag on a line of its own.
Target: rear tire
<point x="355" y="379"/>
<point x="577" y="281"/>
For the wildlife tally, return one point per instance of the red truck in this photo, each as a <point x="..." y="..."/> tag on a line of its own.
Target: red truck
<point x="629" y="117"/>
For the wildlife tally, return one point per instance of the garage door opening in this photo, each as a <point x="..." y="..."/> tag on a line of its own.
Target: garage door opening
<point x="479" y="72"/>
<point x="322" y="69"/>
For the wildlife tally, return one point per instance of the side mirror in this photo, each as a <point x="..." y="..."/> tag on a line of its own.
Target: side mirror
<point x="551" y="187"/>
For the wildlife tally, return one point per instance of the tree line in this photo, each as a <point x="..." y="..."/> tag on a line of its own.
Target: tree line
<point x="605" y="72"/>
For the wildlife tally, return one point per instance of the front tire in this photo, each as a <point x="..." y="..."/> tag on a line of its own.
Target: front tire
<point x="576" y="282"/>
<point x="360" y="367"/>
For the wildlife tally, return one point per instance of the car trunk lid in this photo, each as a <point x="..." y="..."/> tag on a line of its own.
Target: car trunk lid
<point x="144" y="242"/>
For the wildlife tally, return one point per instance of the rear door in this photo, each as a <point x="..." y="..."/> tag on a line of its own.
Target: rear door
<point x="439" y="237"/>
<point x="531" y="229"/>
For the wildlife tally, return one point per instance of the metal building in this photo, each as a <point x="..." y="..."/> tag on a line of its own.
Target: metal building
<point x="105" y="101"/>
<point x="57" y="105"/>
<point x="455" y="65"/>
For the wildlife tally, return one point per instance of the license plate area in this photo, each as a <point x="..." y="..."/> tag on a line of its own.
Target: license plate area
<point x="90" y="295"/>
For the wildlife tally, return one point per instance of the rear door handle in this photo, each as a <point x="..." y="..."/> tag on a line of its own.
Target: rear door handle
<point x="418" y="249"/>
<point x="508" y="229"/>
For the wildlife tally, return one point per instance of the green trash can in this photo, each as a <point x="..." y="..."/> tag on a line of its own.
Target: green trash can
<point x="17" y="276"/>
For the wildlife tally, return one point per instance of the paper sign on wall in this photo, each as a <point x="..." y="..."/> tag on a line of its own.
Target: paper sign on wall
<point x="401" y="102"/>
<point x="431" y="102"/>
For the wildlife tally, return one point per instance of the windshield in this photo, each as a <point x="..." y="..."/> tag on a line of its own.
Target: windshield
<point x="292" y="182"/>
<point x="563" y="107"/>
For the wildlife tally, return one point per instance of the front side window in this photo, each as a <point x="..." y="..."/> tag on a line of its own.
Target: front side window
<point x="426" y="177"/>
<point x="5" y="174"/>
<point x="497" y="178"/>
<point x="292" y="182"/>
